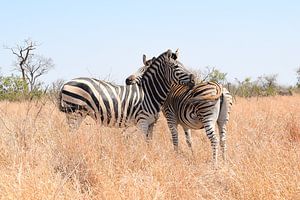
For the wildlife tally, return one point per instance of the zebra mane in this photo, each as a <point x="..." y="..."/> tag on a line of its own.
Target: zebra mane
<point x="151" y="64"/>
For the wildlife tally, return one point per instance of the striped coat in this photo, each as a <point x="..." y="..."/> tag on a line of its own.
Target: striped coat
<point x="121" y="106"/>
<point x="200" y="107"/>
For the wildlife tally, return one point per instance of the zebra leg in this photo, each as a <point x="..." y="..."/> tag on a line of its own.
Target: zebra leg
<point x="222" y="133"/>
<point x="150" y="127"/>
<point x="74" y="119"/>
<point x="188" y="140"/>
<point x="146" y="125"/>
<point x="211" y="134"/>
<point x="144" y="128"/>
<point x="149" y="134"/>
<point x="174" y="132"/>
<point x="187" y="133"/>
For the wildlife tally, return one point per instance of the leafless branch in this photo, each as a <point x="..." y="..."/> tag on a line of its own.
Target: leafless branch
<point x="30" y="65"/>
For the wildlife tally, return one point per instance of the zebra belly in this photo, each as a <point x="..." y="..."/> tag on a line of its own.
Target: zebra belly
<point x="190" y="120"/>
<point x="193" y="124"/>
<point x="112" y="119"/>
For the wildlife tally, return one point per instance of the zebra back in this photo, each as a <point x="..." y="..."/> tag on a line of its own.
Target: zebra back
<point x="206" y="91"/>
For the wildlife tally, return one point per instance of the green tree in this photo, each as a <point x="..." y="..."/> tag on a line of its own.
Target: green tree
<point x="268" y="84"/>
<point x="244" y="87"/>
<point x="212" y="74"/>
<point x="12" y="88"/>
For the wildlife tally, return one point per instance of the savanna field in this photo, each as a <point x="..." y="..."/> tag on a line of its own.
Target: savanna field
<point x="41" y="159"/>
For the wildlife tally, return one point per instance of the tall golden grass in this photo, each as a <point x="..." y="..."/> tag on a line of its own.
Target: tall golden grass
<point x="41" y="159"/>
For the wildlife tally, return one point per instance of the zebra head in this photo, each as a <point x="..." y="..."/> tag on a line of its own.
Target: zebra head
<point x="173" y="70"/>
<point x="179" y="75"/>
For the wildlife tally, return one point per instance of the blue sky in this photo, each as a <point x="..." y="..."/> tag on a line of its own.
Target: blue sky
<point x="106" y="39"/>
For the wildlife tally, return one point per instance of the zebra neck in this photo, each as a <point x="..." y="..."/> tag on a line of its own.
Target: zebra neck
<point x="156" y="90"/>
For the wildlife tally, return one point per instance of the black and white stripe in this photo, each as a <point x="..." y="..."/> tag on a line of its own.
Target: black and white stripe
<point x="120" y="106"/>
<point x="200" y="107"/>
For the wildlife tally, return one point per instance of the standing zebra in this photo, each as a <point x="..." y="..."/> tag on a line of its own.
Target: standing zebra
<point x="200" y="107"/>
<point x="120" y="106"/>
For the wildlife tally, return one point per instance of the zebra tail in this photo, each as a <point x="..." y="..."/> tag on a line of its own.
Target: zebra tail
<point x="225" y="105"/>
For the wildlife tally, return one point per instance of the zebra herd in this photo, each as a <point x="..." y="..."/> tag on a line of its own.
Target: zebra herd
<point x="162" y="83"/>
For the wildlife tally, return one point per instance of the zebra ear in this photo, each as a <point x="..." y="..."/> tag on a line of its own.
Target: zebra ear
<point x="148" y="62"/>
<point x="169" y="53"/>
<point x="144" y="59"/>
<point x="175" y="55"/>
<point x="130" y="80"/>
<point x="176" y="52"/>
<point x="152" y="60"/>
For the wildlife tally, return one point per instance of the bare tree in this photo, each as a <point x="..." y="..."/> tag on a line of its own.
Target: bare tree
<point x="23" y="53"/>
<point x="30" y="65"/>
<point x="268" y="81"/>
<point x="36" y="67"/>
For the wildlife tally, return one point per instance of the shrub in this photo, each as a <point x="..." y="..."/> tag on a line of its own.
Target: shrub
<point x="13" y="88"/>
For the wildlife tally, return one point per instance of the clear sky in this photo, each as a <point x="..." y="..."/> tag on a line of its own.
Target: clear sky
<point x="106" y="39"/>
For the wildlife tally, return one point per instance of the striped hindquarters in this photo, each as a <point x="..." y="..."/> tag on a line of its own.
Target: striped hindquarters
<point x="207" y="91"/>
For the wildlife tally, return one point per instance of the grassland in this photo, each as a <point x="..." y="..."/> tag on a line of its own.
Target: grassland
<point x="41" y="159"/>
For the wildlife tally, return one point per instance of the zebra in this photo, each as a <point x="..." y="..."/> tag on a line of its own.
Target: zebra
<point x="114" y="105"/>
<point x="201" y="107"/>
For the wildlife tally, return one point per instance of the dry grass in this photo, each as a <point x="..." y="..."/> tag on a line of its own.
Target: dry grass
<point x="41" y="159"/>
